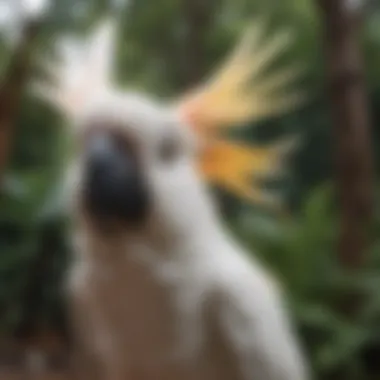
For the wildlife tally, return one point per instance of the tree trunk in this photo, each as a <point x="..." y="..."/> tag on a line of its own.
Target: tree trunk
<point x="351" y="129"/>
<point x="197" y="19"/>
<point x="11" y="92"/>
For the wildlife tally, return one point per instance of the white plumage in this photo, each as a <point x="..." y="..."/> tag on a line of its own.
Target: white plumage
<point x="175" y="298"/>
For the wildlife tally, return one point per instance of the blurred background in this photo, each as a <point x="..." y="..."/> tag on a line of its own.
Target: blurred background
<point x="325" y="248"/>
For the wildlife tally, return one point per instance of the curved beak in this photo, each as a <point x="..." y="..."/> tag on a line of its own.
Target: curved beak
<point x="114" y="185"/>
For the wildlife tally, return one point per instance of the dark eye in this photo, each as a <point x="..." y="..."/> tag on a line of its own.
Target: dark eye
<point x="169" y="149"/>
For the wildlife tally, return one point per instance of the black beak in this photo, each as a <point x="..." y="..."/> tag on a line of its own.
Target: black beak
<point x="114" y="186"/>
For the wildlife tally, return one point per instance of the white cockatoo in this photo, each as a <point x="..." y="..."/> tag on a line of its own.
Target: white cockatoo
<point x="159" y="289"/>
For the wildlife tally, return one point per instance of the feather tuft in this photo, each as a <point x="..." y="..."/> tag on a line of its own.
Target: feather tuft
<point x="83" y="70"/>
<point x="242" y="91"/>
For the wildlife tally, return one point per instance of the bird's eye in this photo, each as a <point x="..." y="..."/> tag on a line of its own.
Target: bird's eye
<point x="169" y="149"/>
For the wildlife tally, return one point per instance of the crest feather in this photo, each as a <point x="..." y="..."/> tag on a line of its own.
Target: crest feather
<point x="240" y="168"/>
<point x="243" y="91"/>
<point x="84" y="68"/>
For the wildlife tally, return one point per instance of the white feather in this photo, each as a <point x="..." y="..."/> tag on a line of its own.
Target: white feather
<point x="176" y="298"/>
<point x="84" y="70"/>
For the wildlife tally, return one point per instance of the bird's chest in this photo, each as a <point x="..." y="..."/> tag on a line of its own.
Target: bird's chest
<point x="152" y="327"/>
<point x="132" y="311"/>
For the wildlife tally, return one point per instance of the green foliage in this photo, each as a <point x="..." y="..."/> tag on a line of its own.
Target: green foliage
<point x="36" y="166"/>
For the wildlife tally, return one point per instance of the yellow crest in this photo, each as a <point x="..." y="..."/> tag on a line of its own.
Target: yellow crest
<point x="239" y="92"/>
<point x="242" y="91"/>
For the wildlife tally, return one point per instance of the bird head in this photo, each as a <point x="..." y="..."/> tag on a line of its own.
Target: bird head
<point x="141" y="161"/>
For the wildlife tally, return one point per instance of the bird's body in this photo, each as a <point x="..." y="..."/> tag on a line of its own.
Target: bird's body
<point x="159" y="289"/>
<point x="202" y="311"/>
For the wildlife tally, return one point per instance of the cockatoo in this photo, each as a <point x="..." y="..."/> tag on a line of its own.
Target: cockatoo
<point x="159" y="289"/>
